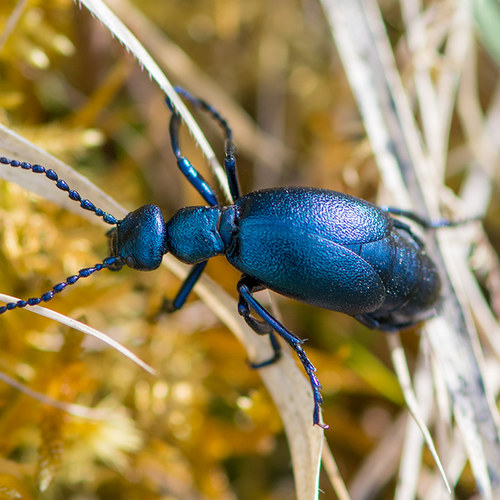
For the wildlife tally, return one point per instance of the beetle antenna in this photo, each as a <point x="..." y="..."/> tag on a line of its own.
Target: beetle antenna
<point x="112" y="263"/>
<point x="62" y="185"/>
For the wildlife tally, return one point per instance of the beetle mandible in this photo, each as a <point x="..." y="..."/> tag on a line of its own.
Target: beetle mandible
<point x="321" y="247"/>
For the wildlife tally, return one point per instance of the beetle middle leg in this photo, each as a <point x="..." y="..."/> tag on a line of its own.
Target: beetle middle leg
<point x="269" y="324"/>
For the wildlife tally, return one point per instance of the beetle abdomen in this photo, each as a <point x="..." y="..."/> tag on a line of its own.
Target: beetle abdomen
<point x="306" y="267"/>
<point x="410" y="279"/>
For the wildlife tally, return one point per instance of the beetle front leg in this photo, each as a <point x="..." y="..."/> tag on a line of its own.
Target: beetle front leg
<point x="246" y="287"/>
<point x="184" y="290"/>
<point x="229" y="148"/>
<point x="185" y="166"/>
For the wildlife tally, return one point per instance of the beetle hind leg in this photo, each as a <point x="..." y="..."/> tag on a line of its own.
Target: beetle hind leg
<point x="267" y="326"/>
<point x="390" y="324"/>
<point x="261" y="328"/>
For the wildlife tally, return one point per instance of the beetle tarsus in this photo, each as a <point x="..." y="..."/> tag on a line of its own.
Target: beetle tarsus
<point x="274" y="358"/>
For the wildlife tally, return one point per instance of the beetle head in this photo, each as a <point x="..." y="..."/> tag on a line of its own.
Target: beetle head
<point x="139" y="239"/>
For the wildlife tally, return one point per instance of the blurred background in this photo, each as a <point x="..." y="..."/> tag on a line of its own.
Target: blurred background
<point x="205" y="427"/>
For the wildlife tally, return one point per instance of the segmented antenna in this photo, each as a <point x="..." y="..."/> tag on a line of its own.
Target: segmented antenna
<point x="110" y="262"/>
<point x="63" y="186"/>
<point x="71" y="280"/>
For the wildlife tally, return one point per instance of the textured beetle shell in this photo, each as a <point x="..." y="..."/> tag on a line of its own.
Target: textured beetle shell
<point x="293" y="240"/>
<point x="333" y="251"/>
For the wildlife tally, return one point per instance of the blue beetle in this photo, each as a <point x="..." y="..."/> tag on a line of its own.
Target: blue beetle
<point x="321" y="247"/>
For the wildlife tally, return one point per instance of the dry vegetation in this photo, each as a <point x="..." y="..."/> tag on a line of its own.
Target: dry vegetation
<point x="204" y="427"/>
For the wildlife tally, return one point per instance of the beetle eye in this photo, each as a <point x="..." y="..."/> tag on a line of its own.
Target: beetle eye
<point x="130" y="262"/>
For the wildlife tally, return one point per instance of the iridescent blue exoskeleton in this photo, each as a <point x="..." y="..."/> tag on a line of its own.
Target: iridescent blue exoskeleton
<point x="321" y="247"/>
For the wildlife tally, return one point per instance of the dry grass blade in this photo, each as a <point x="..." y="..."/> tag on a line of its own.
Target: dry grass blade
<point x="12" y="22"/>
<point x="120" y="31"/>
<point x="267" y="150"/>
<point x="334" y="475"/>
<point x="16" y="147"/>
<point x="294" y="404"/>
<point x="86" y="329"/>
<point x="401" y="368"/>
<point x="391" y="126"/>
<point x="290" y="403"/>
<point x="71" y="408"/>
